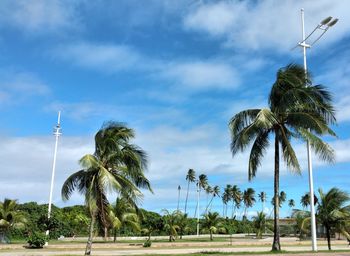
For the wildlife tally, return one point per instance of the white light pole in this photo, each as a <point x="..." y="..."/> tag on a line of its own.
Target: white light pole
<point x="324" y="25"/>
<point x="198" y="208"/>
<point x="56" y="133"/>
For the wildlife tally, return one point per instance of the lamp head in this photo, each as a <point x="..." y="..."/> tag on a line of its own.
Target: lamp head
<point x="326" y="20"/>
<point x="333" y="22"/>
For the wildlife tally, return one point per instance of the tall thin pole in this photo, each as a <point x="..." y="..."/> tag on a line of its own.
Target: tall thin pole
<point x="56" y="133"/>
<point x="178" y="197"/>
<point x="309" y="159"/>
<point x="198" y="208"/>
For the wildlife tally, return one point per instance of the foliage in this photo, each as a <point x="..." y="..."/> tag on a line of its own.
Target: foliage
<point x="37" y="240"/>
<point x="171" y="224"/>
<point x="260" y="224"/>
<point x="333" y="209"/>
<point x="10" y="218"/>
<point x="147" y="243"/>
<point x="212" y="223"/>
<point x="297" y="109"/>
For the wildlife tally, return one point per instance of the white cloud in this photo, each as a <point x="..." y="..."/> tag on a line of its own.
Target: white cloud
<point x="15" y="87"/>
<point x="112" y="58"/>
<point x="266" y="24"/>
<point x="202" y="75"/>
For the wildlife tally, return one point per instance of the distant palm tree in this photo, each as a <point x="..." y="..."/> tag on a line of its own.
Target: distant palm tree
<point x="190" y="177"/>
<point x="202" y="183"/>
<point x="332" y="209"/>
<point x="248" y="199"/>
<point x="115" y="166"/>
<point x="215" y="192"/>
<point x="212" y="223"/>
<point x="236" y="197"/>
<point x="10" y="217"/>
<point x="296" y="109"/>
<point x="208" y="190"/>
<point x="281" y="199"/>
<point x="305" y="200"/>
<point x="291" y="204"/>
<point x="262" y="199"/>
<point x="123" y="214"/>
<point x="227" y="197"/>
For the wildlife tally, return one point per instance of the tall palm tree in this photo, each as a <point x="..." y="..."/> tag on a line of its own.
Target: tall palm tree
<point x="116" y="165"/>
<point x="248" y="199"/>
<point x="262" y="199"/>
<point x="123" y="214"/>
<point x="236" y="197"/>
<point x="212" y="223"/>
<point x="202" y="183"/>
<point x="190" y="177"/>
<point x="10" y="217"/>
<point x="332" y="209"/>
<point x="208" y="190"/>
<point x="227" y="197"/>
<point x="225" y="200"/>
<point x="215" y="192"/>
<point x="297" y="109"/>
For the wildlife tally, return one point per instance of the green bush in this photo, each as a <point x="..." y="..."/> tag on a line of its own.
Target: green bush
<point x="37" y="240"/>
<point x="148" y="243"/>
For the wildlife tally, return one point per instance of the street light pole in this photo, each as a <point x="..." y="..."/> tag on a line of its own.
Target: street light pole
<point x="56" y="133"/>
<point x="198" y="208"/>
<point x="324" y="25"/>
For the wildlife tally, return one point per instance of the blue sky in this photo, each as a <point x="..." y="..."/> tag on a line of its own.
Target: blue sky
<point x="175" y="71"/>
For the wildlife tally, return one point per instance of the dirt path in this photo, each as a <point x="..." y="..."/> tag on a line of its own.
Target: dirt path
<point x="153" y="251"/>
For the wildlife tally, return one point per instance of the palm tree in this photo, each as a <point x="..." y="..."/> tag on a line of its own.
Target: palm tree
<point x="305" y="200"/>
<point x="212" y="223"/>
<point x="260" y="224"/>
<point x="236" y="197"/>
<point x="248" y="199"/>
<point x="123" y="214"/>
<point x="10" y="217"/>
<point x="116" y="165"/>
<point x="182" y="223"/>
<point x="332" y="210"/>
<point x="262" y="199"/>
<point x="171" y="224"/>
<point x="297" y="109"/>
<point x="190" y="177"/>
<point x="208" y="190"/>
<point x="291" y="204"/>
<point x="215" y="192"/>
<point x="225" y="200"/>
<point x="202" y="183"/>
<point x="227" y="197"/>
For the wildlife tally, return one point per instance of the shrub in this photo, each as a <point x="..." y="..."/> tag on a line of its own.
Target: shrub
<point x="37" y="240"/>
<point x="148" y="243"/>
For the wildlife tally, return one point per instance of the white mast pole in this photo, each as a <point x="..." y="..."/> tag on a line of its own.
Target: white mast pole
<point x="56" y="133"/>
<point x="311" y="182"/>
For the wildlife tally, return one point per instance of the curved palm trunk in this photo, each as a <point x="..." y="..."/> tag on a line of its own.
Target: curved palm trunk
<point x="207" y="208"/>
<point x="328" y="234"/>
<point x="276" y="245"/>
<point x="91" y="232"/>
<point x="188" y="188"/>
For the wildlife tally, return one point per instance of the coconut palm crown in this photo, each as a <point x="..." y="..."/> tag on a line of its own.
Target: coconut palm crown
<point x="296" y="109"/>
<point x="115" y="166"/>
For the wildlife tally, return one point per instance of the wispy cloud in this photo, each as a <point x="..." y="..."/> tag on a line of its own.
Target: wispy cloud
<point x="39" y="17"/>
<point x="15" y="87"/>
<point x="111" y="58"/>
<point x="265" y="24"/>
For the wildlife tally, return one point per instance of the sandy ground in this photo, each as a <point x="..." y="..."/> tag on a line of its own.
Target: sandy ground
<point x="135" y="248"/>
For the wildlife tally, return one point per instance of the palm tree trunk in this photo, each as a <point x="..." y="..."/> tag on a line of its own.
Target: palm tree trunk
<point x="206" y="209"/>
<point x="91" y="233"/>
<point x="188" y="188"/>
<point x="328" y="234"/>
<point x="115" y="235"/>
<point x="211" y="235"/>
<point x="233" y="206"/>
<point x="276" y="245"/>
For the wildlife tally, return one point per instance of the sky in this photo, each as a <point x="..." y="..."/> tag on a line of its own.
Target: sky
<point x="175" y="72"/>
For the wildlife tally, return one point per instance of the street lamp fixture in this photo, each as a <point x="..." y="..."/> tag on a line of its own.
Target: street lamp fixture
<point x="324" y="25"/>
